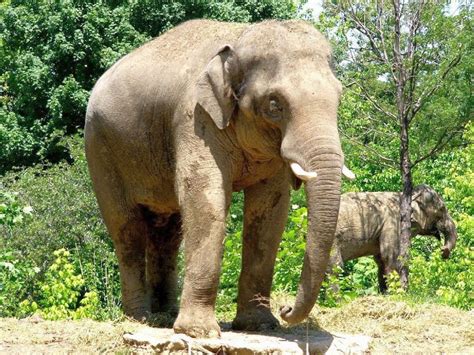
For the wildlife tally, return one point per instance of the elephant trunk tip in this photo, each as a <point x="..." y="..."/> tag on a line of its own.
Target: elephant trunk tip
<point x="445" y="252"/>
<point x="288" y="315"/>
<point x="285" y="313"/>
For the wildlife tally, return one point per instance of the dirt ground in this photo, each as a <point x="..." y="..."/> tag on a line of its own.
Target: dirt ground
<point x="395" y="326"/>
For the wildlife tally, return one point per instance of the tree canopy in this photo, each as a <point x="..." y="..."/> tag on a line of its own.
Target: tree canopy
<point x="437" y="69"/>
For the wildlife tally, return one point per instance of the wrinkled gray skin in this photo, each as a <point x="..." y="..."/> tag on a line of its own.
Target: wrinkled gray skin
<point x="177" y="125"/>
<point x="368" y="224"/>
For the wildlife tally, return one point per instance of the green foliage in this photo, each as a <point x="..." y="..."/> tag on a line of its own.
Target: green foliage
<point x="17" y="275"/>
<point x="59" y="294"/>
<point x="335" y="289"/>
<point x="11" y="211"/>
<point x="149" y="18"/>
<point x="290" y="254"/>
<point x="52" y="53"/>
<point x="450" y="282"/>
<point x="363" y="276"/>
<point x="66" y="216"/>
<point x="394" y="284"/>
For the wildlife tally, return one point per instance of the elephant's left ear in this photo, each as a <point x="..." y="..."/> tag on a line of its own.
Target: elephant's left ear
<point x="418" y="214"/>
<point x="214" y="86"/>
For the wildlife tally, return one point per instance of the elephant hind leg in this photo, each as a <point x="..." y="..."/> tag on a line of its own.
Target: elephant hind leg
<point x="382" y="272"/>
<point x="128" y="231"/>
<point x="162" y="247"/>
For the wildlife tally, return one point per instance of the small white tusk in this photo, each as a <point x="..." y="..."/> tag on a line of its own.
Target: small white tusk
<point x="347" y="173"/>
<point x="301" y="173"/>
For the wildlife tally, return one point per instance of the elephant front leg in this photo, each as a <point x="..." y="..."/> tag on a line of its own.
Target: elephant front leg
<point x="335" y="261"/>
<point x="204" y="204"/>
<point x="265" y="215"/>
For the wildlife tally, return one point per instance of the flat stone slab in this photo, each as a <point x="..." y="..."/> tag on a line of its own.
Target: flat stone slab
<point x="165" y="341"/>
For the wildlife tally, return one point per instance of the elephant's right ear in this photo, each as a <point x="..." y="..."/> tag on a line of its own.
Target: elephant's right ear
<point x="214" y="87"/>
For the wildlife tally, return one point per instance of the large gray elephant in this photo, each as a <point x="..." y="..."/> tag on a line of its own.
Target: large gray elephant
<point x="369" y="224"/>
<point x="178" y="124"/>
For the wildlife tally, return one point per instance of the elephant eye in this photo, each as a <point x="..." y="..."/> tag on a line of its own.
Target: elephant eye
<point x="274" y="110"/>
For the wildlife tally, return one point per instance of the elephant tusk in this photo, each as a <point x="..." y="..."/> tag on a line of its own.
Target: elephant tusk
<point x="301" y="173"/>
<point x="347" y="173"/>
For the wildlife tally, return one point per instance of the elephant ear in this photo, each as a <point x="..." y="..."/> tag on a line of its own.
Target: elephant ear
<point x="418" y="214"/>
<point x="214" y="87"/>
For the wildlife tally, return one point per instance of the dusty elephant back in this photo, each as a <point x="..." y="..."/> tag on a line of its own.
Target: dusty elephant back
<point x="359" y="208"/>
<point x="163" y="67"/>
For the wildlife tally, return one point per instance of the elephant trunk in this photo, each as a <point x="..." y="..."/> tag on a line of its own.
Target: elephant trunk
<point x="323" y="198"/>
<point x="450" y="236"/>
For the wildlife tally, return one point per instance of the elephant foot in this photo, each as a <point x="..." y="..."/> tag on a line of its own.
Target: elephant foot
<point x="161" y="319"/>
<point x="167" y="308"/>
<point x="197" y="323"/>
<point x="139" y="314"/>
<point x="255" y="320"/>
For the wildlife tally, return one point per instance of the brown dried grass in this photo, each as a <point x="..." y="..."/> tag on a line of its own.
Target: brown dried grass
<point x="398" y="326"/>
<point x="395" y="327"/>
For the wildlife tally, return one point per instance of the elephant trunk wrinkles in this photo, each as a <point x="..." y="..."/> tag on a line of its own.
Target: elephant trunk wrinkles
<point x="323" y="198"/>
<point x="450" y="236"/>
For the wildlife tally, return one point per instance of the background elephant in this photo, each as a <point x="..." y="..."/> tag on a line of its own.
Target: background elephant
<point x="178" y="124"/>
<point x="368" y="224"/>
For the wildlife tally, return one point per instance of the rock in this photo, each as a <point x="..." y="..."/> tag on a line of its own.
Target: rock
<point x="165" y="341"/>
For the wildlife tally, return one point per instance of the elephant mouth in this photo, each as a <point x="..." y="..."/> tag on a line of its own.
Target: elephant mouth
<point x="304" y="175"/>
<point x="436" y="234"/>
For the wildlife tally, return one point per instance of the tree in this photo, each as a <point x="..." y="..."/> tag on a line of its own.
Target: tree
<point x="410" y="64"/>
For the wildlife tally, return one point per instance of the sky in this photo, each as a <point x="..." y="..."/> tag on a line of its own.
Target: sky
<point x="315" y="6"/>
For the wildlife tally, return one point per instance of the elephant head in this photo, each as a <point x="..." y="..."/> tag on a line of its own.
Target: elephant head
<point x="430" y="217"/>
<point x="275" y="89"/>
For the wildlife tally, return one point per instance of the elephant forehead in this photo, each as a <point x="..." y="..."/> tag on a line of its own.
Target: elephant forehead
<point x="283" y="38"/>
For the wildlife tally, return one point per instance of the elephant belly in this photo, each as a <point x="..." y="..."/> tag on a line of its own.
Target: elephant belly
<point x="358" y="249"/>
<point x="160" y="201"/>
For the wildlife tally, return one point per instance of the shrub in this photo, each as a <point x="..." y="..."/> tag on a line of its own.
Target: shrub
<point x="60" y="295"/>
<point x="11" y="212"/>
<point x="65" y="216"/>
<point x="17" y="276"/>
<point x="16" y="272"/>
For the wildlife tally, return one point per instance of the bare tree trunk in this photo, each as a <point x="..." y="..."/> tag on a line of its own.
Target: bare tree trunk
<point x="405" y="164"/>
<point x="405" y="204"/>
